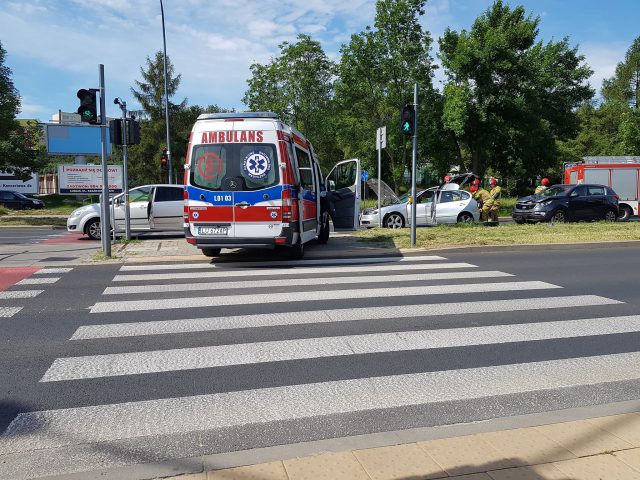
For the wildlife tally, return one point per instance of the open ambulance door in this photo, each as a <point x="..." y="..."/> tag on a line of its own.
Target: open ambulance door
<point x="343" y="194"/>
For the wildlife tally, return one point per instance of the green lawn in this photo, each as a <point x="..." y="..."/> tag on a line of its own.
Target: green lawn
<point x="511" y="234"/>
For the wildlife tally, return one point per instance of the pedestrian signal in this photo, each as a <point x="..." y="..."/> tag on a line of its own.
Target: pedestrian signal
<point x="408" y="121"/>
<point x="87" y="110"/>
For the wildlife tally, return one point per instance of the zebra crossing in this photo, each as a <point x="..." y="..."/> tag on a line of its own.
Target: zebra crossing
<point x="320" y="349"/>
<point x="41" y="278"/>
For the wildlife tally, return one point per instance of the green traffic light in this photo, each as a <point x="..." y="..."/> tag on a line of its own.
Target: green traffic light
<point x="406" y="126"/>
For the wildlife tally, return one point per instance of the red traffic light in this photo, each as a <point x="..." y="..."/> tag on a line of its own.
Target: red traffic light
<point x="163" y="158"/>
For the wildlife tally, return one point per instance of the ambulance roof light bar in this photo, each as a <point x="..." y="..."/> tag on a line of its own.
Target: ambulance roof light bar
<point x="218" y="116"/>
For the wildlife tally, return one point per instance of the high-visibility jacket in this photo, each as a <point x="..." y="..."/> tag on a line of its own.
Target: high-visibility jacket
<point x="481" y="196"/>
<point x="494" y="198"/>
<point x="540" y="188"/>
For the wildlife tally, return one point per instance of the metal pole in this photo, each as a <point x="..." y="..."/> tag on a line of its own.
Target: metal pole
<point x="379" y="176"/>
<point x="105" y="222"/>
<point x="166" y="95"/>
<point x="413" y="166"/>
<point x="125" y="177"/>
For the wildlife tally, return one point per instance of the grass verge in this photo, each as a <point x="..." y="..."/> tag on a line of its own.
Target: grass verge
<point x="511" y="234"/>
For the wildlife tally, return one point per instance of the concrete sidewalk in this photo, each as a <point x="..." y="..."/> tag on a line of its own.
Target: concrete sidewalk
<point x="604" y="448"/>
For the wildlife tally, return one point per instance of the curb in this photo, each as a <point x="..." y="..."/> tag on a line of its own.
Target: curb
<point x="528" y="247"/>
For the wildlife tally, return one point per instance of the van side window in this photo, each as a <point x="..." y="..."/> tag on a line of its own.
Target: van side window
<point x="304" y="169"/>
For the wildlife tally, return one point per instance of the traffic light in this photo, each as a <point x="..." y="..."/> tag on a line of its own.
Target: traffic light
<point x="115" y="131"/>
<point x="408" y="121"/>
<point x="163" y="158"/>
<point x="87" y="109"/>
<point x="133" y="132"/>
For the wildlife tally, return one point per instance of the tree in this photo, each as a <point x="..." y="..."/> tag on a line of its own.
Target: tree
<point x="624" y="86"/>
<point x="145" y="166"/>
<point x="377" y="71"/>
<point x="298" y="86"/>
<point x="509" y="97"/>
<point x="20" y="153"/>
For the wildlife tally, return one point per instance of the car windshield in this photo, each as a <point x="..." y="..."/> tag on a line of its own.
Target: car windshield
<point x="402" y="199"/>
<point x="556" y="191"/>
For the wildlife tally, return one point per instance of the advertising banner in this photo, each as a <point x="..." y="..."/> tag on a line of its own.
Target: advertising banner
<point x="11" y="182"/>
<point x="87" y="179"/>
<point x="75" y="140"/>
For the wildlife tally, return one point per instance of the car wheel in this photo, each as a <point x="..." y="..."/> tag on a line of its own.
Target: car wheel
<point x="325" y="228"/>
<point x="625" y="214"/>
<point x="610" y="215"/>
<point x="465" y="217"/>
<point x="27" y="207"/>
<point x="93" y="229"/>
<point x="394" y="220"/>
<point x="211" y="252"/>
<point x="519" y="221"/>
<point x="558" y="217"/>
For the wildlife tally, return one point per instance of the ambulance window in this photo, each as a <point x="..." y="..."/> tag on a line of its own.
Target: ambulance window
<point x="304" y="169"/>
<point x="251" y="166"/>
<point x="344" y="175"/>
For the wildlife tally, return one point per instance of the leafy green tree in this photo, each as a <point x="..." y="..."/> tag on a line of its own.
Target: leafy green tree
<point x="377" y="71"/>
<point x="298" y="86"/>
<point x="624" y="86"/>
<point x="510" y="97"/>
<point x="20" y="153"/>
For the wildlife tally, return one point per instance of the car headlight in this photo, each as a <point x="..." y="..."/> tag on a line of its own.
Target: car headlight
<point x="541" y="205"/>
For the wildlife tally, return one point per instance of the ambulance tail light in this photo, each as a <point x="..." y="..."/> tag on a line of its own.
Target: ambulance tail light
<point x="287" y="210"/>
<point x="191" y="240"/>
<point x="281" y="240"/>
<point x="185" y="211"/>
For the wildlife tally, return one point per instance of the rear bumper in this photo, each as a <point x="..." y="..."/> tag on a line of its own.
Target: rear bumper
<point x="286" y="239"/>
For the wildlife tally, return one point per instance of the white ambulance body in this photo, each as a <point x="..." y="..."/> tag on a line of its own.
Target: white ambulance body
<point x="252" y="181"/>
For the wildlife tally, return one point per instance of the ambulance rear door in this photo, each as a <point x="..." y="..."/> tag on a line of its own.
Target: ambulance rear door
<point x="343" y="194"/>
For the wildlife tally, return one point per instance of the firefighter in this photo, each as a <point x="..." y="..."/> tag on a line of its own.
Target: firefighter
<point x="544" y="183"/>
<point x="480" y="195"/>
<point x="492" y="205"/>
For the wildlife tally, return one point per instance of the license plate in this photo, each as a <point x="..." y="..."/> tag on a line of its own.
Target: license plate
<point x="213" y="230"/>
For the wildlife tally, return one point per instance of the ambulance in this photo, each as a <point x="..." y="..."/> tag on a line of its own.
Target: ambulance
<point x="251" y="181"/>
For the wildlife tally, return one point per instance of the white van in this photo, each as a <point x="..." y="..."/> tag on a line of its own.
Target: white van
<point x="253" y="181"/>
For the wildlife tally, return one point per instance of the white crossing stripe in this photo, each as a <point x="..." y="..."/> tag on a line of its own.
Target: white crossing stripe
<point x="190" y="287"/>
<point x="136" y="363"/>
<point x="73" y="426"/>
<point x="165" y="327"/>
<point x="8" y="312"/>
<point x="45" y="271"/>
<point x="38" y="280"/>
<point x="292" y="263"/>
<point x="308" y="296"/>
<point x="288" y="271"/>
<point x="9" y="294"/>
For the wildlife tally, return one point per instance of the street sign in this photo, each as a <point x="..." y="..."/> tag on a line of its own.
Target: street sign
<point x="9" y="181"/>
<point x="381" y="138"/>
<point x="87" y="179"/>
<point x="365" y="175"/>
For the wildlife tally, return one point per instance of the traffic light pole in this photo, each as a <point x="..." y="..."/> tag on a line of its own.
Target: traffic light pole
<point x="166" y="95"/>
<point x="379" y="176"/>
<point x="413" y="166"/>
<point x="105" y="222"/>
<point x="125" y="177"/>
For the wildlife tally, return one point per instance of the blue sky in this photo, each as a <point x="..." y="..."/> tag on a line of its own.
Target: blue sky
<point x="54" y="47"/>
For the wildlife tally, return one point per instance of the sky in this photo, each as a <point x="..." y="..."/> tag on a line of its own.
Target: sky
<point x="54" y="47"/>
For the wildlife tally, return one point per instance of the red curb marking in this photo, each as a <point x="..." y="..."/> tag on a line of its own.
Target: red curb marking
<point x="9" y="276"/>
<point x="70" y="237"/>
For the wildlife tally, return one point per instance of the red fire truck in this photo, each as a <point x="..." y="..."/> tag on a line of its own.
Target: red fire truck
<point x="620" y="173"/>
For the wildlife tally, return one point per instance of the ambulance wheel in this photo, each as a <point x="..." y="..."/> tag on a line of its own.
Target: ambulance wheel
<point x="325" y="229"/>
<point x="296" y="252"/>
<point x="211" y="252"/>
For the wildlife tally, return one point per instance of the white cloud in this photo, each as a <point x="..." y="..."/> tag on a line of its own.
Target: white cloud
<point x="603" y="60"/>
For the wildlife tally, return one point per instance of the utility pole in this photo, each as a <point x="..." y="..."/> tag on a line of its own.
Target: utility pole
<point x="381" y="142"/>
<point x="105" y="222"/>
<point x="413" y="166"/>
<point x="166" y="96"/>
<point x="125" y="177"/>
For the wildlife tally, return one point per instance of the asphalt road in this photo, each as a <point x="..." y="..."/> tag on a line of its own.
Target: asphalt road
<point x="157" y="362"/>
<point x="26" y="235"/>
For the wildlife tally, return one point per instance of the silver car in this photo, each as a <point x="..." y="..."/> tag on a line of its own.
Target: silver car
<point x="453" y="206"/>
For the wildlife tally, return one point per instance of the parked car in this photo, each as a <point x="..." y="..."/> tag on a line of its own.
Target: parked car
<point x="151" y="208"/>
<point x="561" y="203"/>
<point x="453" y="206"/>
<point x="18" y="201"/>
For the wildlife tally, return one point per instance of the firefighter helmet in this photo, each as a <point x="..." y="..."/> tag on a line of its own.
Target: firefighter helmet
<point x="493" y="181"/>
<point x="476" y="182"/>
<point x="447" y="179"/>
<point x="473" y="188"/>
<point x="545" y="182"/>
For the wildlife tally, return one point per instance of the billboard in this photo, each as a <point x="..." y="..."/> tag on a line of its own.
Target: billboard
<point x="87" y="179"/>
<point x="75" y="140"/>
<point x="8" y="181"/>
